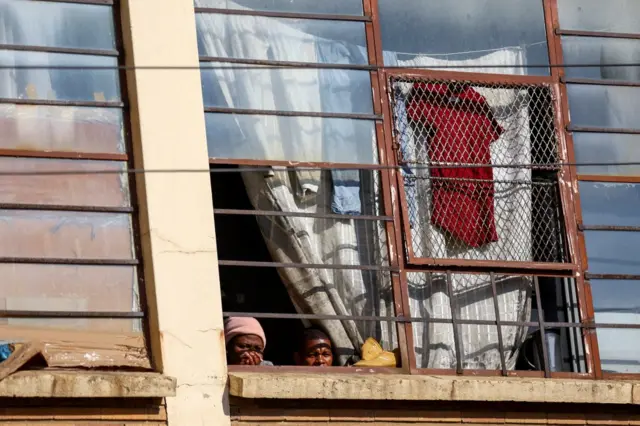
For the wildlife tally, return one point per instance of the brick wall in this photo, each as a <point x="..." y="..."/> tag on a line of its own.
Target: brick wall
<point x="382" y="413"/>
<point x="34" y="412"/>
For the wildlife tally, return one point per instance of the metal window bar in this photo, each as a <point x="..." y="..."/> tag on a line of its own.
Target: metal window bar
<point x="280" y="113"/>
<point x="597" y="34"/>
<point x="494" y="292"/>
<point x="70" y="314"/>
<point x="454" y="322"/>
<point x="45" y="102"/>
<point x="541" y="324"/>
<point x="235" y="212"/>
<point x="590" y="129"/>
<point x="426" y="320"/>
<point x="596" y="82"/>
<point x="286" y="15"/>
<point x="67" y="261"/>
<point x="66" y="50"/>
<point x="255" y="264"/>
<point x="65" y="208"/>
<point x="96" y="2"/>
<point x="135" y="314"/>
<point x="283" y="64"/>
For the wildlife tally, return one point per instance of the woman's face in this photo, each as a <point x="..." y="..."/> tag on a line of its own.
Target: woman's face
<point x="247" y="349"/>
<point x="317" y="352"/>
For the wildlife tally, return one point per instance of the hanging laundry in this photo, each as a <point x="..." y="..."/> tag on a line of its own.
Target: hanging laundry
<point x="461" y="128"/>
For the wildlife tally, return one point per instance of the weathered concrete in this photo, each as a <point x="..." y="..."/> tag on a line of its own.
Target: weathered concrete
<point x="430" y="388"/>
<point x="177" y="231"/>
<point x="89" y="384"/>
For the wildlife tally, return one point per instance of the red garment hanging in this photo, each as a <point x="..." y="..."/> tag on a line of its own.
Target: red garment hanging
<point x="462" y="129"/>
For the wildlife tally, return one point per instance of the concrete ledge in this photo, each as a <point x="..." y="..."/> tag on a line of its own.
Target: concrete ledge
<point x="86" y="384"/>
<point x="430" y="388"/>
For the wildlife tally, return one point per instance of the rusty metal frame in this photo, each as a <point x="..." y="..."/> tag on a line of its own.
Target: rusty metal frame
<point x="389" y="177"/>
<point x="583" y="288"/>
<point x="488" y="80"/>
<point x="286" y="15"/>
<point x="614" y="228"/>
<point x="135" y="217"/>
<point x="64" y="50"/>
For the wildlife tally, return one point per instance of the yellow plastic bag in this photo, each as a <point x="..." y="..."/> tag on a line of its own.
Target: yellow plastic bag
<point x="374" y="356"/>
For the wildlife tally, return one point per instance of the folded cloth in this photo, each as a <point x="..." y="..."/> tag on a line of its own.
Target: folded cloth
<point x="346" y="192"/>
<point x="238" y="326"/>
<point x="308" y="182"/>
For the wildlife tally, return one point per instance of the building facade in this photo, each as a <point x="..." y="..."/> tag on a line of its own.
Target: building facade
<point x="458" y="182"/>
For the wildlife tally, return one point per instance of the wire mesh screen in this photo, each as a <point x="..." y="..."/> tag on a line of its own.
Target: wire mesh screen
<point x="480" y="169"/>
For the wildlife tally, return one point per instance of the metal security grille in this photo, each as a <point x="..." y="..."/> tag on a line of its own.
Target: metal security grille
<point x="480" y="170"/>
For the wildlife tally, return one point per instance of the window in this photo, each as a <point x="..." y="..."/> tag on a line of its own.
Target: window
<point x="403" y="171"/>
<point x="69" y="260"/>
<point x="603" y="131"/>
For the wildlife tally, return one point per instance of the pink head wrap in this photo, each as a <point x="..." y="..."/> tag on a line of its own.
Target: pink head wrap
<point x="238" y="326"/>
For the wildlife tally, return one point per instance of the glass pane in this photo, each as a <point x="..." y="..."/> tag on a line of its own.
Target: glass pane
<point x="607" y="148"/>
<point x="279" y="39"/>
<point x="618" y="16"/>
<point x="341" y="91"/>
<point x="610" y="203"/>
<point x="69" y="288"/>
<point x="603" y="51"/>
<point x="619" y="349"/>
<point x="291" y="138"/>
<point x="616" y="301"/>
<point x="118" y="325"/>
<point x="339" y="7"/>
<point x="56" y="24"/>
<point x="108" y="190"/>
<point x="613" y="252"/>
<point x="53" y="128"/>
<point x="604" y="106"/>
<point x="481" y="32"/>
<point x="48" y="234"/>
<point x="58" y="84"/>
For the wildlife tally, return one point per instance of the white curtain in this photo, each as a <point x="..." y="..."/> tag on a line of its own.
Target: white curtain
<point x="348" y="241"/>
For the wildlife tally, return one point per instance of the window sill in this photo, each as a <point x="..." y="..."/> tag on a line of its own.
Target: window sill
<point x="281" y="385"/>
<point x="86" y="384"/>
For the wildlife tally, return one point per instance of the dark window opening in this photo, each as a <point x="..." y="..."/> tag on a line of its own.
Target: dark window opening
<point x="249" y="289"/>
